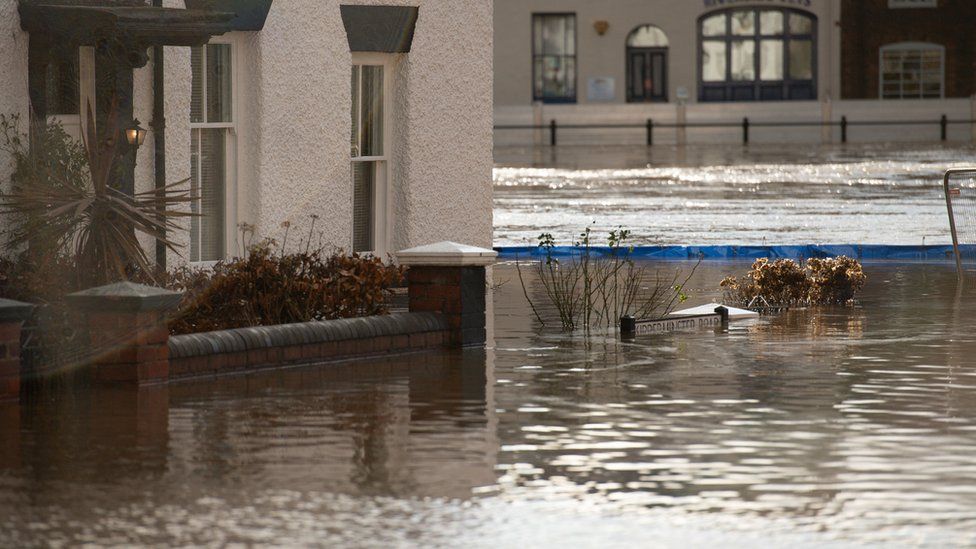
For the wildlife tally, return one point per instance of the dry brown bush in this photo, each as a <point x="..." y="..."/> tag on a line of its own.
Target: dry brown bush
<point x="784" y="282"/>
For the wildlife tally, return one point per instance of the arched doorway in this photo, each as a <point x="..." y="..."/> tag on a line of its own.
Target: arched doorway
<point x="647" y="65"/>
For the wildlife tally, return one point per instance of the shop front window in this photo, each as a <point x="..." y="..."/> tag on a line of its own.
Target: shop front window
<point x="554" y="57"/>
<point x="757" y="54"/>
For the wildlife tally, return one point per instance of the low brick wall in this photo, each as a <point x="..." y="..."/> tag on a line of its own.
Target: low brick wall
<point x="215" y="353"/>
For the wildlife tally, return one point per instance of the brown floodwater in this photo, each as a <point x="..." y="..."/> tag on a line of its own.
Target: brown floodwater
<point x="819" y="427"/>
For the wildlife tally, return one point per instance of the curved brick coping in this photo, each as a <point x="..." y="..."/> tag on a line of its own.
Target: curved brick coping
<point x="304" y="333"/>
<point x="261" y="347"/>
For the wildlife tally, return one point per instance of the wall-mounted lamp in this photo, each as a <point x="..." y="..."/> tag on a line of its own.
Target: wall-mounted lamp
<point x="601" y="27"/>
<point x="135" y="134"/>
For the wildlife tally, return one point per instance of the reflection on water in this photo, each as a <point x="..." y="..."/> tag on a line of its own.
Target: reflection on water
<point x="857" y="421"/>
<point x="820" y="426"/>
<point x="865" y="194"/>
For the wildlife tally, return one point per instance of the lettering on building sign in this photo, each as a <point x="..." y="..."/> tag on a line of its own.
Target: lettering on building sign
<point x="720" y="3"/>
<point x="664" y="325"/>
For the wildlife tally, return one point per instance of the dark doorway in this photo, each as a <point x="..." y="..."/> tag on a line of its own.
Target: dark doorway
<point x="647" y="65"/>
<point x="647" y="75"/>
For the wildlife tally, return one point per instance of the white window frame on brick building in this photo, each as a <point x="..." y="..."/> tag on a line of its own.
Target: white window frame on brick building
<point x="372" y="205"/>
<point x="208" y="242"/>
<point x="906" y="71"/>
<point x="896" y="4"/>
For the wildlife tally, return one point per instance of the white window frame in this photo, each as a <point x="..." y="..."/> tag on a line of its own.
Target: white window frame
<point x="910" y="46"/>
<point x="230" y="149"/>
<point x="382" y="192"/>
<point x="904" y="4"/>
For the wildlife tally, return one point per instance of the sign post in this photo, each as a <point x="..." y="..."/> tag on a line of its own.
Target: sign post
<point x="631" y="327"/>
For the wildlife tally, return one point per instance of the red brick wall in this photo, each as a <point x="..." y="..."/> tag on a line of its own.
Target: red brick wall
<point x="129" y="347"/>
<point x="866" y="25"/>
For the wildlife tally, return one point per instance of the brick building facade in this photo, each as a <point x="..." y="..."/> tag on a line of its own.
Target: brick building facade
<point x="913" y="33"/>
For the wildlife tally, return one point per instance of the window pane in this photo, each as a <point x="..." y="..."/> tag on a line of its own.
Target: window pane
<point x="62" y="89"/>
<point x="538" y="74"/>
<point x="558" y="77"/>
<point x="553" y="35"/>
<point x="714" y="25"/>
<point x="891" y="62"/>
<point x="713" y="61"/>
<point x="800" y="24"/>
<point x="219" y="82"/>
<point x="743" y="60"/>
<point x="363" y="183"/>
<point x="354" y="134"/>
<point x="195" y="193"/>
<point x="638" y="76"/>
<point x="371" y="120"/>
<point x="647" y="36"/>
<point x="196" y="94"/>
<point x="932" y="90"/>
<point x="657" y="76"/>
<point x="771" y="60"/>
<point x="770" y="22"/>
<point x="570" y="33"/>
<point x="801" y="59"/>
<point x="744" y="23"/>
<point x="208" y="167"/>
<point x="537" y="35"/>
<point x="570" y="63"/>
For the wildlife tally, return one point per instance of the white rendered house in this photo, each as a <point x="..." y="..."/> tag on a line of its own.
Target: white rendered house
<point x="374" y="118"/>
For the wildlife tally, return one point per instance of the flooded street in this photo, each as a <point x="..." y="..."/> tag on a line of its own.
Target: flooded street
<point x="760" y="194"/>
<point x="819" y="427"/>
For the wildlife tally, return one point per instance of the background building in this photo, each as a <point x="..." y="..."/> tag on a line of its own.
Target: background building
<point x="703" y="61"/>
<point x="902" y="49"/>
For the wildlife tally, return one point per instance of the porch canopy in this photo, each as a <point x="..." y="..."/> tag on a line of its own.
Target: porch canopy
<point x="136" y="26"/>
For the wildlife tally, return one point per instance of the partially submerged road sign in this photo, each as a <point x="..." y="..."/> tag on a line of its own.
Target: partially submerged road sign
<point x="630" y="326"/>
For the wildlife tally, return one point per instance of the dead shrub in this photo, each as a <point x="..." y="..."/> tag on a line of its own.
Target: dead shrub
<point x="835" y="280"/>
<point x="785" y="283"/>
<point x="266" y="288"/>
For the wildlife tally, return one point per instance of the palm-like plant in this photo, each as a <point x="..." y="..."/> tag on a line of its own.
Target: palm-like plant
<point x="64" y="200"/>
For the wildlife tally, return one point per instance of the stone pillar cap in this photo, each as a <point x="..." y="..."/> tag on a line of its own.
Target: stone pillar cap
<point x="125" y="297"/>
<point x="447" y="254"/>
<point x="11" y="310"/>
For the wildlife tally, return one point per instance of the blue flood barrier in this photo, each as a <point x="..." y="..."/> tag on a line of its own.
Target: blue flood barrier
<point x="863" y="252"/>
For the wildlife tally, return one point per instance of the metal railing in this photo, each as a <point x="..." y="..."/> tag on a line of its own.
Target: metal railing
<point x="949" y="193"/>
<point x="746" y="125"/>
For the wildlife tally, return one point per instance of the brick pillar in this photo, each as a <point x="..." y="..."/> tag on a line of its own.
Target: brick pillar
<point x="12" y="317"/>
<point x="449" y="278"/>
<point x="127" y="331"/>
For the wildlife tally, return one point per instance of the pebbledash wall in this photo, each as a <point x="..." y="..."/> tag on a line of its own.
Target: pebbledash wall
<point x="602" y="29"/>
<point x="292" y="123"/>
<point x="13" y="73"/>
<point x="294" y="139"/>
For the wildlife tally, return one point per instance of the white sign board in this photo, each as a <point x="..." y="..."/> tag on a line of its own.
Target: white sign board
<point x="601" y="88"/>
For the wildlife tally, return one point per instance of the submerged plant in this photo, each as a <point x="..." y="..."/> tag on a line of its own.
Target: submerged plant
<point x="784" y="282"/>
<point x="835" y="280"/>
<point x="589" y="288"/>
